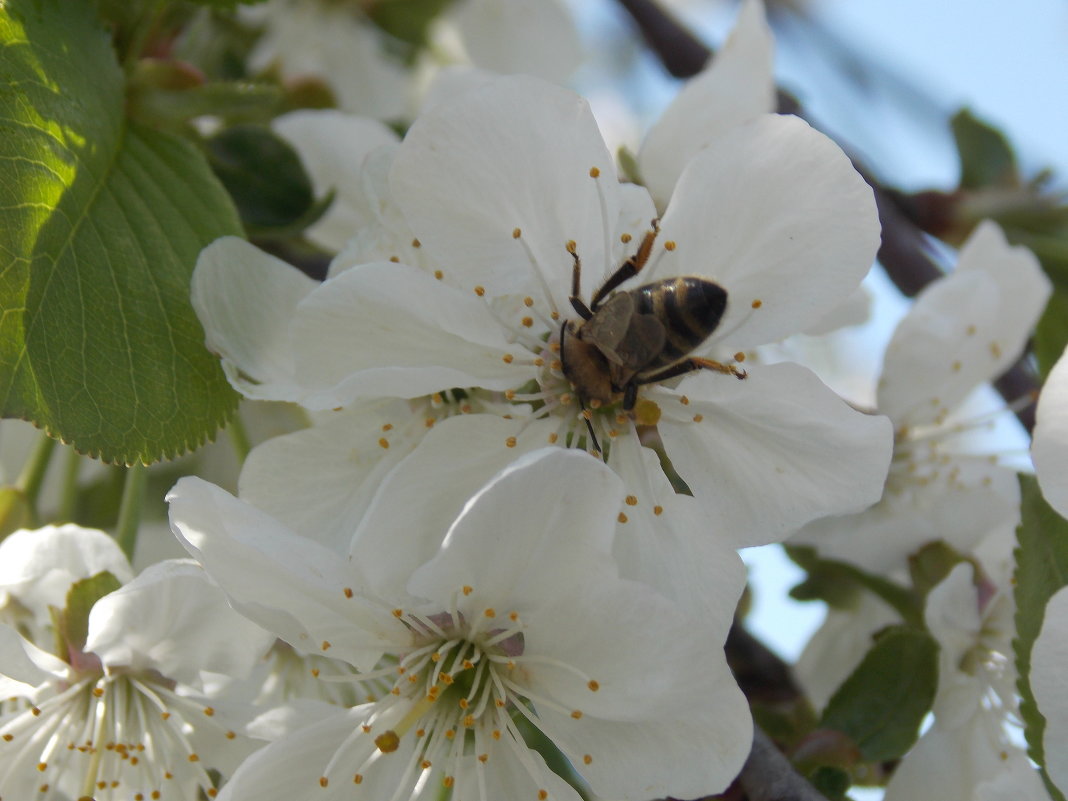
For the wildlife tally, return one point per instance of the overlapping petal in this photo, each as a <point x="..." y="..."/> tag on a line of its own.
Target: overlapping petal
<point x="1049" y="449"/>
<point x="1050" y="685"/>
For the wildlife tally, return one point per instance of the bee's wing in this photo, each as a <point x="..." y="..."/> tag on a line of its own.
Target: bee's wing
<point x="609" y="325"/>
<point x="643" y="342"/>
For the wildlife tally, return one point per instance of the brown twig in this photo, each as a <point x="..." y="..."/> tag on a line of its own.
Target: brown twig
<point x="769" y="776"/>
<point x="905" y="253"/>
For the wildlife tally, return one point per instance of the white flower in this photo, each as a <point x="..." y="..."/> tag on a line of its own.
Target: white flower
<point x="1049" y="449"/>
<point x="495" y="186"/>
<point x="515" y="612"/>
<point x="1048" y="659"/>
<point x="963" y="329"/>
<point x="123" y="712"/>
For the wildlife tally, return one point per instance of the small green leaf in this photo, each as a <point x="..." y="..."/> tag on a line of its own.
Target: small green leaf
<point x="932" y="563"/>
<point x="831" y="782"/>
<point x="1041" y="570"/>
<point x="986" y="158"/>
<point x="80" y="599"/>
<point x="407" y="20"/>
<point x="100" y="226"/>
<point x="883" y="702"/>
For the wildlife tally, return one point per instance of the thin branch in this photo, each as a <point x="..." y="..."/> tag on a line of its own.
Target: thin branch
<point x="904" y="254"/>
<point x="769" y="776"/>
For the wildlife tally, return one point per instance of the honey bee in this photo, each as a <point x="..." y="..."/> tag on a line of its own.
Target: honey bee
<point x="637" y="336"/>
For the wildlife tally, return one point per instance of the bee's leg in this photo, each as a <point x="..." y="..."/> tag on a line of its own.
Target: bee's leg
<point x="630" y="395"/>
<point x="576" y="279"/>
<point x="628" y="269"/>
<point x="688" y="366"/>
<point x="589" y="426"/>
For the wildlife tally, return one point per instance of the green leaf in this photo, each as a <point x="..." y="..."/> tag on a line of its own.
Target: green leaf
<point x="986" y="158"/>
<point x="883" y="702"/>
<point x="74" y="621"/>
<point x="1041" y="570"/>
<point x="407" y="20"/>
<point x="100" y="226"/>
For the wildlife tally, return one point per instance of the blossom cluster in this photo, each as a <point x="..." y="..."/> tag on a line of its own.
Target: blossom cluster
<point x="546" y="407"/>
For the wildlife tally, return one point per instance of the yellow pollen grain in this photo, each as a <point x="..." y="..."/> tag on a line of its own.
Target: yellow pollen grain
<point x="509" y="394"/>
<point x="437" y="399"/>
<point x="448" y="781"/>
<point x="211" y="792"/>
<point x="697" y="418"/>
<point x="42" y="766"/>
<point x="622" y="518"/>
<point x="489" y="612"/>
<point x="384" y="443"/>
<point x="98" y="691"/>
<point x="464" y="703"/>
<point x="587" y="759"/>
<point x="593" y="685"/>
<point x="756" y="304"/>
<point x="556" y="316"/>
<point x="539" y="362"/>
<point x="625" y="238"/>
<point x="398" y="613"/>
<point x="230" y="735"/>
<point x="576" y="714"/>
<point x="388" y="742"/>
<point x="528" y="301"/>
<point x="43" y="788"/>
<point x="571" y="245"/>
<point x="450" y="734"/>
<point x="516" y="233"/>
<point x="480" y="290"/>
<point x="670" y="245"/>
<point x="420" y="732"/>
<point x="165" y="715"/>
<point x="429" y="422"/>
<point x="685" y="401"/>
<point x="326" y="645"/>
<point x="357" y="778"/>
<point x="499" y="703"/>
<point x="412" y="679"/>
<point x="510" y="442"/>
<point x="527" y="322"/>
<point x="348" y="592"/>
<point x="416" y="243"/>
<point x="315" y="673"/>
<point x="469" y="721"/>
<point x="425" y="764"/>
<point x="35" y="711"/>
<point x="483" y="758"/>
<point x="508" y="358"/>
<point x="394" y="259"/>
<point x="739" y="357"/>
<point x="467" y="589"/>
<point x="194" y="758"/>
<point x="8" y="738"/>
<point x="513" y="616"/>
<point x="553" y="438"/>
<point x="387" y="427"/>
<point x="556" y="364"/>
<point x="366" y="728"/>
<point x="439" y="274"/>
<point x="542" y="795"/>
<point x="586" y="413"/>
<point x="323" y="781"/>
<point x="631" y="500"/>
<point x="595" y="172"/>
<point x="209" y="711"/>
<point x="995" y="350"/>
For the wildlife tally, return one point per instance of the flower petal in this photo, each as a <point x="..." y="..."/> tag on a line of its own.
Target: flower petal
<point x="389" y="330"/>
<point x="735" y="87"/>
<point x="963" y="329"/>
<point x="245" y="300"/>
<point x="775" y="214"/>
<point x="1050" y="686"/>
<point x="514" y="154"/>
<point x="774" y="451"/>
<point x="1049" y="449"/>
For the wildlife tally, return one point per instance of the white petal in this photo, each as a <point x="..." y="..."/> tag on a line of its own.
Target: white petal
<point x="736" y="86"/>
<point x="389" y="330"/>
<point x="668" y="543"/>
<point x="288" y="584"/>
<point x="533" y="534"/>
<point x="774" y="451"/>
<point x="420" y="498"/>
<point x="25" y="665"/>
<point x="245" y="300"/>
<point x="508" y="36"/>
<point x="1049" y="449"/>
<point x="514" y="154"/>
<point x="319" y="481"/>
<point x="332" y="146"/>
<point x="175" y="620"/>
<point x="963" y="329"/>
<point x="1049" y="683"/>
<point x="38" y="566"/>
<point x="775" y="214"/>
<point x="967" y="499"/>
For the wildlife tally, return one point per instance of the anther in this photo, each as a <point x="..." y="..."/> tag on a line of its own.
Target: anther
<point x="384" y="443"/>
<point x="739" y="356"/>
<point x="516" y="233"/>
<point x="622" y="518"/>
<point x="480" y="290"/>
<point x="510" y="442"/>
<point x="528" y="301"/>
<point x="670" y="245"/>
<point x="631" y="500"/>
<point x="439" y="274"/>
<point x="595" y="172"/>
<point x="756" y="304"/>
<point x="348" y="592"/>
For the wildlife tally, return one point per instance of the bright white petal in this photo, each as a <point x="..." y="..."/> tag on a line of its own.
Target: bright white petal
<point x="389" y="330"/>
<point x="245" y="300"/>
<point x="513" y="154"/>
<point x="735" y="87"/>
<point x="508" y="36"/>
<point x="455" y="460"/>
<point x="286" y="583"/>
<point x="319" y="481"/>
<point x="535" y="532"/>
<point x="1049" y="682"/>
<point x="962" y="503"/>
<point x="332" y="146"/>
<point x="768" y="454"/>
<point x="38" y="565"/>
<point x="24" y="664"/>
<point x="963" y="329"/>
<point x="175" y="620"/>
<point x="775" y="213"/>
<point x="1049" y="449"/>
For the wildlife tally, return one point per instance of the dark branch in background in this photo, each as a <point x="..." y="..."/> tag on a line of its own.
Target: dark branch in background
<point x="904" y="253"/>
<point x="769" y="776"/>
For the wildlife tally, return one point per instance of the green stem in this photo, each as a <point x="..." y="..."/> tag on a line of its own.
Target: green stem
<point x="33" y="473"/>
<point x="68" y="498"/>
<point x="239" y="438"/>
<point x="133" y="494"/>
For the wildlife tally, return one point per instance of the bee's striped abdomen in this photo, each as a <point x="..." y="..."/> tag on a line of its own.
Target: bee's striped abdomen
<point x="689" y="307"/>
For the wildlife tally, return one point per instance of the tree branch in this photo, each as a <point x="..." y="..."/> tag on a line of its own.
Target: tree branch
<point x="769" y="776"/>
<point x="904" y="254"/>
